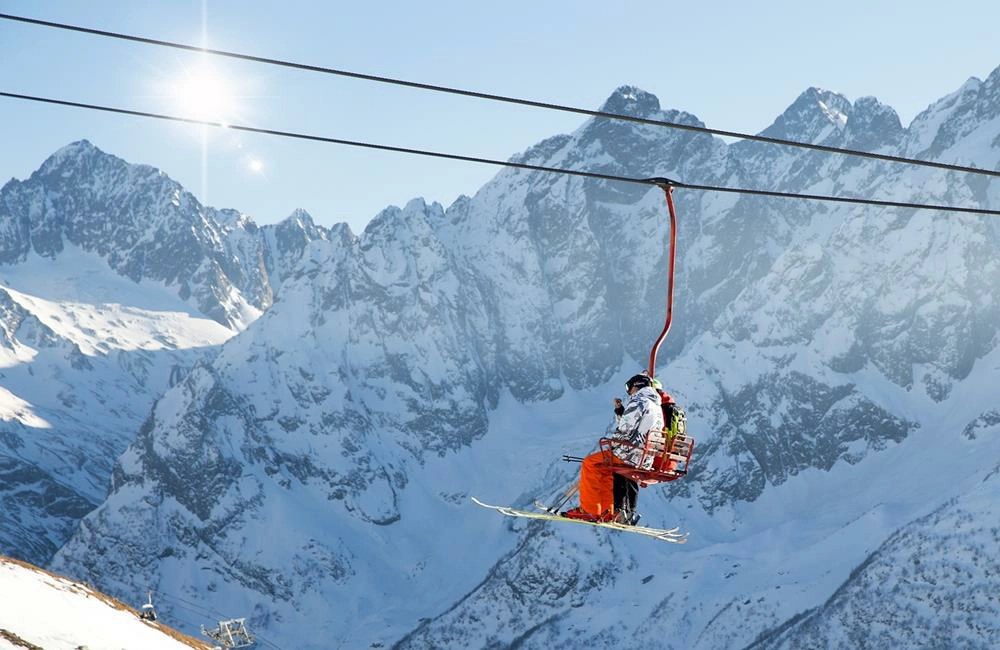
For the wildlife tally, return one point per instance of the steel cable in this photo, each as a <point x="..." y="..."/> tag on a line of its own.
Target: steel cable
<point x="500" y="98"/>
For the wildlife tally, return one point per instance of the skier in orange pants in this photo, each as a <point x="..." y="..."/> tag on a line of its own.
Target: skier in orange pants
<point x="597" y="494"/>
<point x="640" y="418"/>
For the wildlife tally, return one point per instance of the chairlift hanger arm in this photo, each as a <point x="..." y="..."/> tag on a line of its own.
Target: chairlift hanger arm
<point x="667" y="186"/>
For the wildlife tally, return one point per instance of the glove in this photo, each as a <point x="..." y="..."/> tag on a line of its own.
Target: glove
<point x="619" y="409"/>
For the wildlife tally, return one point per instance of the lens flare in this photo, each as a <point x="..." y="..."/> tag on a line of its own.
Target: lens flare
<point x="203" y="94"/>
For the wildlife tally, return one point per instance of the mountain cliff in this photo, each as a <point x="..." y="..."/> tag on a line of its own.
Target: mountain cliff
<point x="114" y="282"/>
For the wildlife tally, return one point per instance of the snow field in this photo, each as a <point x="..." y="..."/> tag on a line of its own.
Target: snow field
<point x="57" y="614"/>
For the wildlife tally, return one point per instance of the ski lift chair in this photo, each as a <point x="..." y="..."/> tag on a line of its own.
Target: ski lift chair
<point x="671" y="458"/>
<point x="148" y="612"/>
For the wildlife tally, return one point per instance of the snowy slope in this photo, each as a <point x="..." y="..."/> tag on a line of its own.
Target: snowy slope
<point x="934" y="582"/>
<point x="55" y="613"/>
<point x="314" y="476"/>
<point x="84" y="353"/>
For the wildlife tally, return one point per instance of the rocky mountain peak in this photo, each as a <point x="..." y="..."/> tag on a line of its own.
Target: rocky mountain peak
<point x="872" y="125"/>
<point x="303" y="219"/>
<point x="341" y="233"/>
<point x="993" y="79"/>
<point x="631" y="100"/>
<point x="146" y="226"/>
<point x="72" y="153"/>
<point x="299" y="224"/>
<point x="285" y="242"/>
<point x="814" y="116"/>
<point x="81" y="165"/>
<point x="393" y="222"/>
<point x="942" y="124"/>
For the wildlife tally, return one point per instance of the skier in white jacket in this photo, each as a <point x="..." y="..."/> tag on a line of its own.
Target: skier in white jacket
<point x="604" y="494"/>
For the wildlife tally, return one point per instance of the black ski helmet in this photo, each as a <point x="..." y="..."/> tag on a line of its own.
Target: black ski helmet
<point x="638" y="381"/>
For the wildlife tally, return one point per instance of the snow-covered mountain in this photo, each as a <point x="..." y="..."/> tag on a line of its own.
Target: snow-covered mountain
<point x="51" y="612"/>
<point x="838" y="363"/>
<point x="114" y="282"/>
<point x="145" y="226"/>
<point x="83" y="355"/>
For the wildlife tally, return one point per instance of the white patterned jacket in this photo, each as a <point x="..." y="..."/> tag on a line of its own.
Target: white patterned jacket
<point x="643" y="417"/>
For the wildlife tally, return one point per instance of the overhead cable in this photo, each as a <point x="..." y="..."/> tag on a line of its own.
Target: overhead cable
<point x="658" y="181"/>
<point x="503" y="98"/>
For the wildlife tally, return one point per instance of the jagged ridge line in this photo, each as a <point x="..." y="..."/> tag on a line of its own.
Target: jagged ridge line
<point x="500" y="98"/>
<point x="658" y="181"/>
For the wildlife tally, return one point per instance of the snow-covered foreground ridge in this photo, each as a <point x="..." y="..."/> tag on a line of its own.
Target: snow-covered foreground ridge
<point x="43" y="610"/>
<point x="838" y="365"/>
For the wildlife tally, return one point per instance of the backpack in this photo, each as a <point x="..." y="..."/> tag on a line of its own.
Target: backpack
<point x="674" y="419"/>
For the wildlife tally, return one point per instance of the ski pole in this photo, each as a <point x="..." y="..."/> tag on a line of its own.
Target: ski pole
<point x="567" y="495"/>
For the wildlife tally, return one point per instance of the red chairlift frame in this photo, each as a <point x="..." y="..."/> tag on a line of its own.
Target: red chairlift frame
<point x="671" y="461"/>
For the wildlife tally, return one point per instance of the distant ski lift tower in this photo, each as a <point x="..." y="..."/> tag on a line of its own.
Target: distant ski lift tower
<point x="230" y="634"/>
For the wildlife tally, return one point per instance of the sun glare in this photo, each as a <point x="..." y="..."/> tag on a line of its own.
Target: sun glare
<point x="203" y="94"/>
<point x="199" y="90"/>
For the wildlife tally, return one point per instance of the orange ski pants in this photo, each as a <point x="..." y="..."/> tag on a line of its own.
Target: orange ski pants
<point x="597" y="482"/>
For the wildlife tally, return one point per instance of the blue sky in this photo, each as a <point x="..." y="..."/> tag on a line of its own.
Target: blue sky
<point x="736" y="65"/>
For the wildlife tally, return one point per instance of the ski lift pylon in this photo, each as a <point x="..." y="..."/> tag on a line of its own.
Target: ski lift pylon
<point x="230" y="634"/>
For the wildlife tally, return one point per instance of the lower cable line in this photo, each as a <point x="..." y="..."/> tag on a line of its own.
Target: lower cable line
<point x="657" y="181"/>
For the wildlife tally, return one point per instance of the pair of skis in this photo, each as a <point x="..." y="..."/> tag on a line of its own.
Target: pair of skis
<point x="672" y="535"/>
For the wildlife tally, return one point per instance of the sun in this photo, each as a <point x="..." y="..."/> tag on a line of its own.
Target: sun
<point x="202" y="93"/>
